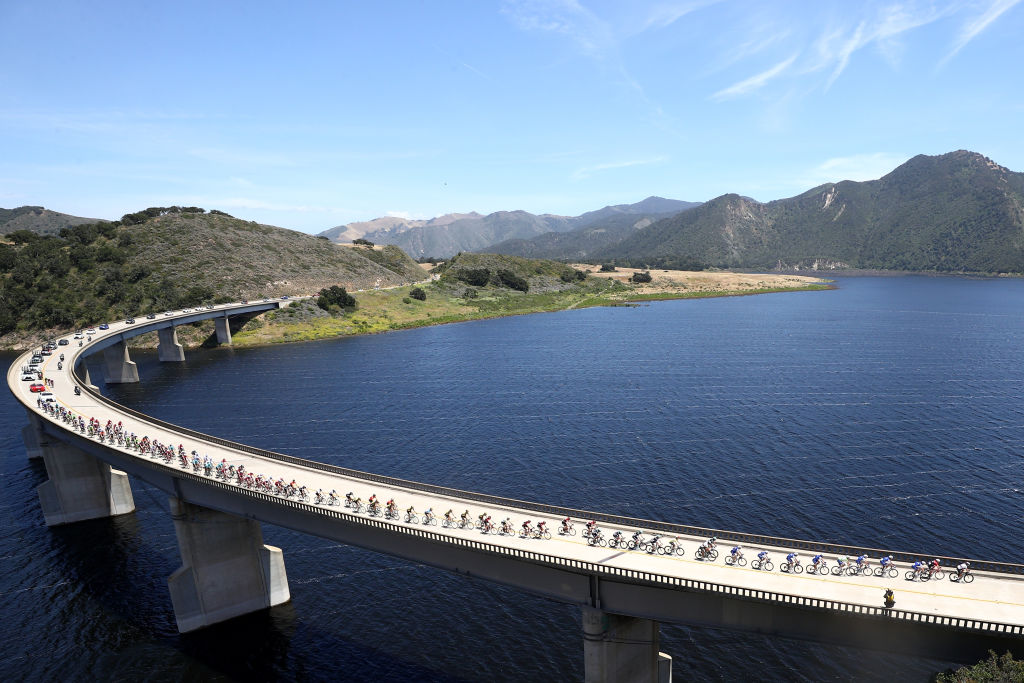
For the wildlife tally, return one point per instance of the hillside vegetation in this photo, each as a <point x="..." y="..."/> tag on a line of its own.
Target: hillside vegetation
<point x="166" y="258"/>
<point x="958" y="212"/>
<point x="38" y="220"/>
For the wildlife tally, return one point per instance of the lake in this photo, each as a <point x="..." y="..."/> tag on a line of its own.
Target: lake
<point x="888" y="412"/>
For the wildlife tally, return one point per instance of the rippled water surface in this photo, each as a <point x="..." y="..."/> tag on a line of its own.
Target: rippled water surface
<point x="888" y="412"/>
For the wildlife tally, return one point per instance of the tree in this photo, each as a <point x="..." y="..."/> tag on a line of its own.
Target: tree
<point x="362" y="240"/>
<point x="477" y="277"/>
<point x="418" y="294"/>
<point x="1003" y="669"/>
<point x="513" y="281"/>
<point x="608" y="268"/>
<point x="640" y="278"/>
<point x="336" y="296"/>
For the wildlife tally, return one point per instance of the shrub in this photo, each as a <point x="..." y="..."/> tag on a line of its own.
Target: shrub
<point x="513" y="281"/>
<point x="335" y="295"/>
<point x="641" y="277"/>
<point x="478" y="277"/>
<point x="608" y="268"/>
<point x="572" y="275"/>
<point x="363" y="241"/>
<point x="418" y="294"/>
<point x="406" y="300"/>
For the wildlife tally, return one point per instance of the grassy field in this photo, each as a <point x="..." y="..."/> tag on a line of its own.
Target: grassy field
<point x="393" y="309"/>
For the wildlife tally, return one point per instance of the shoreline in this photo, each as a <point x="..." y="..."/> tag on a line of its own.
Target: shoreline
<point x="299" y="332"/>
<point x="384" y="310"/>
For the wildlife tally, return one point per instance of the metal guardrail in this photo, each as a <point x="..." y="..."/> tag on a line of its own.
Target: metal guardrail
<point x="649" y="578"/>
<point x="560" y="511"/>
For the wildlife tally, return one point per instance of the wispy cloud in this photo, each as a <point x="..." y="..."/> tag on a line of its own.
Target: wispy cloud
<point x="754" y="82"/>
<point x="668" y="13"/>
<point x="588" y="171"/>
<point x="855" y="167"/>
<point x="970" y="30"/>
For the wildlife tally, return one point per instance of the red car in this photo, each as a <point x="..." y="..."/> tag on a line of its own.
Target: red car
<point x="36" y="388"/>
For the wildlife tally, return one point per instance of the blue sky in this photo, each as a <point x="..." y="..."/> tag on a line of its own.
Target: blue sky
<point x="310" y="115"/>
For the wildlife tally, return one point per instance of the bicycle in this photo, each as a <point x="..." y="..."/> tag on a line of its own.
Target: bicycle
<point x="967" y="577"/>
<point x="411" y="518"/>
<point x="703" y="553"/>
<point x="889" y="571"/>
<point x="791" y="567"/>
<point x="567" y="530"/>
<point x="597" y="539"/>
<point x="821" y="569"/>
<point x="764" y="564"/>
<point x="671" y="548"/>
<point x="737" y="560"/>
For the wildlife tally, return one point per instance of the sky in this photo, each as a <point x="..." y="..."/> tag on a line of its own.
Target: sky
<point x="309" y="115"/>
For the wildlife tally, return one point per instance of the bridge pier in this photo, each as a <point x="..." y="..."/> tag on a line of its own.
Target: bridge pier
<point x="226" y="570"/>
<point x="621" y="649"/>
<point x="80" y="486"/>
<point x="120" y="369"/>
<point x="169" y="350"/>
<point x="34" y="437"/>
<point x="223" y="330"/>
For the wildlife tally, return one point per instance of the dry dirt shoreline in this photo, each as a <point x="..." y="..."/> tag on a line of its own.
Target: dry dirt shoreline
<point x="691" y="281"/>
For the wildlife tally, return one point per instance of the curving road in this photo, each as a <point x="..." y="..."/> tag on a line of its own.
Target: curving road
<point x="565" y="568"/>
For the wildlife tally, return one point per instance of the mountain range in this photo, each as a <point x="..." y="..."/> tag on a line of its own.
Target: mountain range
<point x="956" y="212"/>
<point x="447" y="235"/>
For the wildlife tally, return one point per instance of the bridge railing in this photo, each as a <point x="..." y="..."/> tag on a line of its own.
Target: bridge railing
<point x="631" y="575"/>
<point x="560" y="512"/>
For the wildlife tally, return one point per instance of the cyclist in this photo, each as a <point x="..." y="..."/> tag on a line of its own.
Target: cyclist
<point x="816" y="561"/>
<point x="885" y="561"/>
<point x="919" y="568"/>
<point x="465" y="517"/>
<point x="319" y="496"/>
<point x="506" y="526"/>
<point x="707" y="546"/>
<point x="791" y="561"/>
<point x="566" y="525"/>
<point x="617" y="538"/>
<point x="428" y="515"/>
<point x="333" y="495"/>
<point x="961" y="569"/>
<point x="348" y="499"/>
<point x="449" y="517"/>
<point x="409" y="513"/>
<point x="480" y="519"/>
<point x="736" y="552"/>
<point x="862" y="563"/>
<point x="527" y="530"/>
<point x="934" y="567"/>
<point x="763" y="557"/>
<point x="540" y="528"/>
<point x="591" y="526"/>
<point x="638" y="538"/>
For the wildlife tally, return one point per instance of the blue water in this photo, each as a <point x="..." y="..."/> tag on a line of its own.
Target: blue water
<point x="888" y="412"/>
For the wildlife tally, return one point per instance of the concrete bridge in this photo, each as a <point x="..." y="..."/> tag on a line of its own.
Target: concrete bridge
<point x="227" y="570"/>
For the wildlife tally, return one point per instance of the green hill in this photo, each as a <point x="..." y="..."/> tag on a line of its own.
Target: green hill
<point x="38" y="220"/>
<point x="958" y="212"/>
<point x="169" y="258"/>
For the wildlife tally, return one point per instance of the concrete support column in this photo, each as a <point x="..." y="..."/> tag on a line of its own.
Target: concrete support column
<point x="119" y="366"/>
<point x="169" y="350"/>
<point x="86" y="379"/>
<point x="81" y="486"/>
<point x="620" y="649"/>
<point x="223" y="330"/>
<point x="34" y="437"/>
<point x="226" y="570"/>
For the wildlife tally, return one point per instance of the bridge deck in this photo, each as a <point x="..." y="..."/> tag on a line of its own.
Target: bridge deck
<point x="993" y="597"/>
